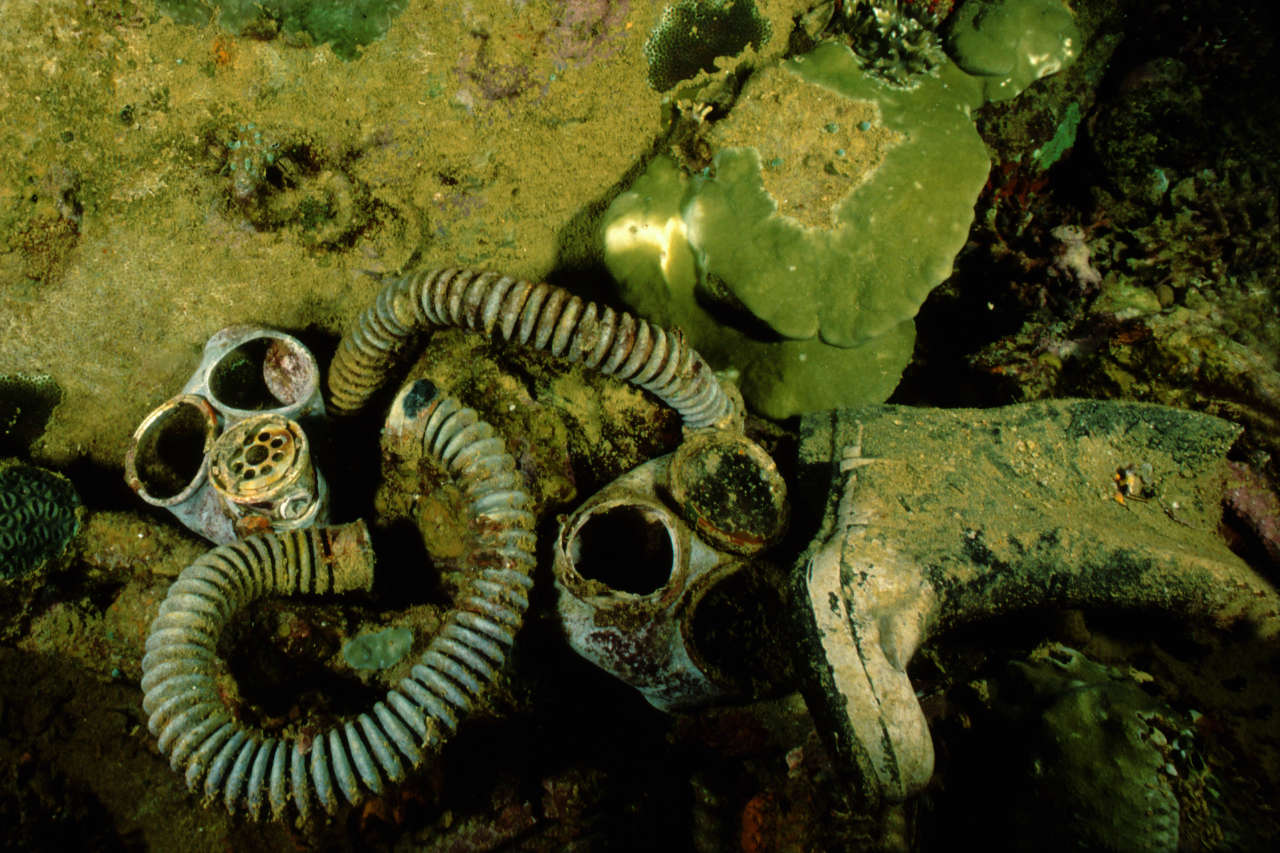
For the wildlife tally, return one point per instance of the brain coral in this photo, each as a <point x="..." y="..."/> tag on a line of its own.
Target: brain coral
<point x="37" y="517"/>
<point x="692" y="33"/>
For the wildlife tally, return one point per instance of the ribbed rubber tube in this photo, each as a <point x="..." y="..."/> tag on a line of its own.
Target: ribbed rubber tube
<point x="250" y="771"/>
<point x="538" y="315"/>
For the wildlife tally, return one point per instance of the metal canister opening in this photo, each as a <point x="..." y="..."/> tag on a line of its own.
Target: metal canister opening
<point x="729" y="490"/>
<point x="271" y="371"/>
<point x="625" y="547"/>
<point x="165" y="462"/>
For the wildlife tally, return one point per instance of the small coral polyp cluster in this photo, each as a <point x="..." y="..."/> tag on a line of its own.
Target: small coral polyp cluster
<point x="894" y="39"/>
<point x="277" y="181"/>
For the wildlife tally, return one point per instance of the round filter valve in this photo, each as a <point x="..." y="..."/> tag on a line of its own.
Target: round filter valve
<point x="262" y="466"/>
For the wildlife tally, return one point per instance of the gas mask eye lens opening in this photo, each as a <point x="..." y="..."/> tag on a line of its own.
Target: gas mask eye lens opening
<point x="167" y="457"/>
<point x="236" y="380"/>
<point x="626" y="548"/>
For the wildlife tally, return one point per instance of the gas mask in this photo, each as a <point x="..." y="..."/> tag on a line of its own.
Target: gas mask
<point x="228" y="455"/>
<point x="639" y="562"/>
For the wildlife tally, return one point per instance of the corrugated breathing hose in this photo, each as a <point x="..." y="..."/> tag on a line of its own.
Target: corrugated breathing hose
<point x="181" y="668"/>
<point x="538" y="315"/>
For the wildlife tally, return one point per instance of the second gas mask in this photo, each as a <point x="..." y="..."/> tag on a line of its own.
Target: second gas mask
<point x="638" y="562"/>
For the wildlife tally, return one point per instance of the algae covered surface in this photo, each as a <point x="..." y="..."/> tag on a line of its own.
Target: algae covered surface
<point x="171" y="168"/>
<point x="163" y="180"/>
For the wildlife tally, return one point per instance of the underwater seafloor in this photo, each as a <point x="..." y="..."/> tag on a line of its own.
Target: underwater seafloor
<point x="162" y="177"/>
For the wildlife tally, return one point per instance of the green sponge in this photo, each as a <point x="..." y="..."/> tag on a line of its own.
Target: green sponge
<point x="649" y="254"/>
<point x="1012" y="43"/>
<point x="833" y="205"/>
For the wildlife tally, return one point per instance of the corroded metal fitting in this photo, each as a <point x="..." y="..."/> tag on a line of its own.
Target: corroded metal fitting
<point x="245" y="372"/>
<point x="262" y="469"/>
<point x="637" y="561"/>
<point x="167" y="464"/>
<point x="729" y="489"/>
